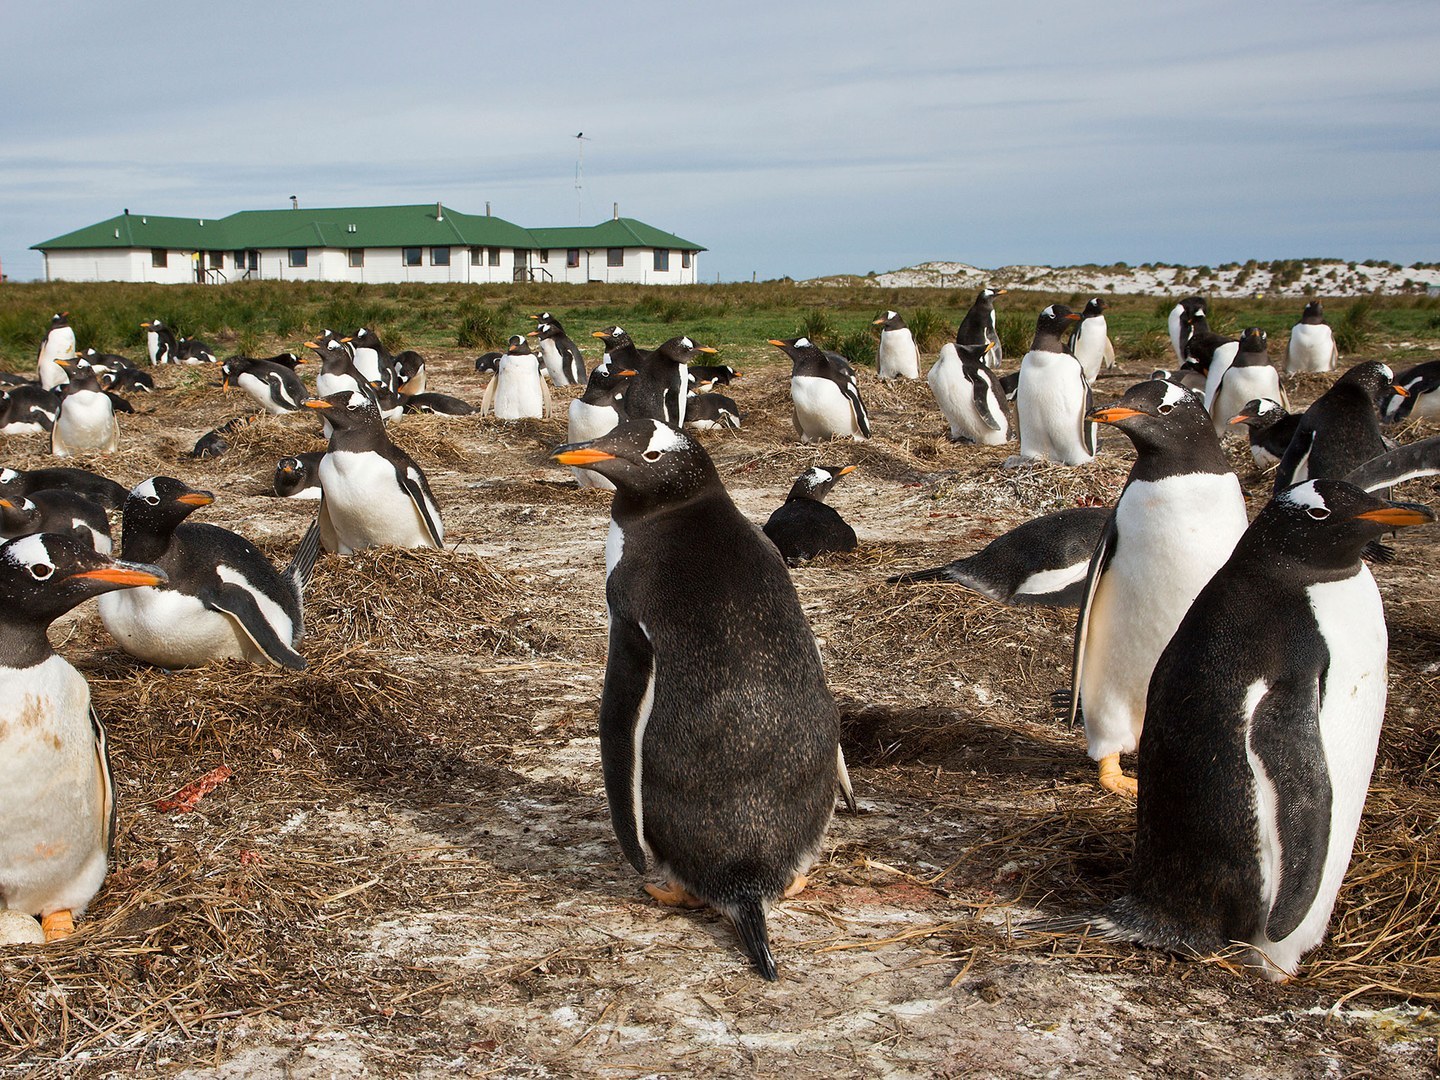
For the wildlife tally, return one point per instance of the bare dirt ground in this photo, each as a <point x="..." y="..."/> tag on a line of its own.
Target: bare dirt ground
<point x="411" y="872"/>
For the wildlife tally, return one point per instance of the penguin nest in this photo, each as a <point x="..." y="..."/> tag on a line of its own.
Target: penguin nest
<point x="271" y="438"/>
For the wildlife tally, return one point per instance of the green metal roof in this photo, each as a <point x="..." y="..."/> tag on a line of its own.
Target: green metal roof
<point x="347" y="227"/>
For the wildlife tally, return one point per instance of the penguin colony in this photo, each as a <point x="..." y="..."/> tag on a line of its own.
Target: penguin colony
<point x="1254" y="748"/>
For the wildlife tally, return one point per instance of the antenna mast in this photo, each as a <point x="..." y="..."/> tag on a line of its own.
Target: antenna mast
<point x="580" y="141"/>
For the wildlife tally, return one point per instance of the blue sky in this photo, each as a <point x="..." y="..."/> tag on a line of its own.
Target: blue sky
<point x="790" y="139"/>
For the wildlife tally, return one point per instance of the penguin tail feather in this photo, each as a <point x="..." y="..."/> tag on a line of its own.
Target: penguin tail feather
<point x="934" y="574"/>
<point x="302" y="563"/>
<point x="1128" y="921"/>
<point x="749" y="917"/>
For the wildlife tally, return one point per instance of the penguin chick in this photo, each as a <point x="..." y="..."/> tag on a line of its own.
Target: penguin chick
<point x="804" y="526"/>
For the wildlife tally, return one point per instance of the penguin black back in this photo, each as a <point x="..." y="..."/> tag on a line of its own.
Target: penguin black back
<point x="804" y="526"/>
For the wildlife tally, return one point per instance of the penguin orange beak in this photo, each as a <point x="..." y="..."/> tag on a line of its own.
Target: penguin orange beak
<point x="597" y="333"/>
<point x="144" y="326"/>
<point x="847" y="470"/>
<point x="196" y="498"/>
<point x="312" y="345"/>
<point x="582" y="456"/>
<point x="1001" y="292"/>
<point x="1243" y="418"/>
<point x="1398" y="516"/>
<point x="7" y="504"/>
<point x="1072" y="317"/>
<point x="1398" y="389"/>
<point x="878" y="322"/>
<point x="225" y="384"/>
<point x="317" y="403"/>
<point x="120" y="574"/>
<point x="777" y="343"/>
<point x="1113" y="415"/>
<point x="627" y="371"/>
<point x="66" y="364"/>
<point x="706" y="349"/>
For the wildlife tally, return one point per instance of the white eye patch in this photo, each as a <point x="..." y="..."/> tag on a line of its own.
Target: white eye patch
<point x="1173" y="395"/>
<point x="26" y="551"/>
<point x="665" y="438"/>
<point x="146" y="490"/>
<point x="802" y="343"/>
<point x="1305" y="495"/>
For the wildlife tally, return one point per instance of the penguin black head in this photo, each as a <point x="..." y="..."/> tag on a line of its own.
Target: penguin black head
<point x="891" y="320"/>
<point x="59" y="319"/>
<point x="17" y="516"/>
<point x="1192" y="307"/>
<point x="613" y="338"/>
<point x="517" y="345"/>
<point x="1095" y="306"/>
<point x="681" y="350"/>
<point x="1326" y="524"/>
<point x="816" y="481"/>
<point x="1314" y="313"/>
<point x="45" y="575"/>
<point x="546" y="329"/>
<point x="1374" y="378"/>
<point x="1259" y="414"/>
<point x="1254" y="340"/>
<point x="366" y="339"/>
<point x="348" y="409"/>
<point x="1158" y="415"/>
<point x="159" y="504"/>
<point x="797" y="348"/>
<point x="649" y="462"/>
<point x="1050" y="325"/>
<point x="987" y="294"/>
<point x="82" y="376"/>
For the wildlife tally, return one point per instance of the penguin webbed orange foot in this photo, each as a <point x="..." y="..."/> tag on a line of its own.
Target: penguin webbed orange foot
<point x="1112" y="778"/>
<point x="796" y="887"/>
<point x="673" y="895"/>
<point x="57" y="925"/>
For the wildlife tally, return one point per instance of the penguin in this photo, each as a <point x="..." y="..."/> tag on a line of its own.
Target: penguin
<point x="1312" y="342"/>
<point x="57" y="797"/>
<point x="1208" y="350"/>
<point x="722" y="776"/>
<point x="129" y="379"/>
<point x="193" y="351"/>
<point x="160" y="344"/>
<point x="896" y="357"/>
<point x="704" y="378"/>
<point x="1090" y="344"/>
<point x="337" y="366"/>
<point x="1190" y="375"/>
<point x="978" y="327"/>
<point x="1052" y="396"/>
<point x="563" y="361"/>
<point x="1271" y="429"/>
<point x="214" y="443"/>
<point x="435" y="404"/>
<point x="1419" y="400"/>
<point x="970" y="395"/>
<point x="518" y="391"/>
<point x="86" y="421"/>
<point x="390" y="404"/>
<point x="1341" y="429"/>
<point x="28" y="410"/>
<point x="298" y="477"/>
<point x="371" y="492"/>
<point x="285" y="359"/>
<point x="711" y="412"/>
<point x="490" y="362"/>
<point x="223" y="599"/>
<point x="824" y="393"/>
<point x="659" y="389"/>
<point x="100" y="489"/>
<point x="275" y="388"/>
<point x="56" y="510"/>
<point x="409" y="373"/>
<point x="372" y="359"/>
<point x="1042" y="563"/>
<point x="1249" y="376"/>
<point x="620" y="350"/>
<point x="58" y="344"/>
<point x="105" y="363"/>
<point x="595" y="412"/>
<point x="1179" y="326"/>
<point x="804" y="526"/>
<point x="1260" y="734"/>
<point x="1176" y="522"/>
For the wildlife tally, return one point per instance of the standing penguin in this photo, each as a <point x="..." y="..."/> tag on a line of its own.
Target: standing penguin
<point x="1090" y="344"/>
<point x="58" y="344"/>
<point x="970" y="395"/>
<point x="1312" y="342"/>
<point x="1175" y="524"/>
<point x="1208" y="350"/>
<point x="275" y="387"/>
<point x="1180" y="327"/>
<point x="804" y="526"/>
<point x="371" y="492"/>
<point x="564" y="362"/>
<point x="57" y="799"/>
<point x="1260" y="734"/>
<point x="223" y="598"/>
<point x="86" y="422"/>
<point x="1341" y="429"/>
<point x="978" y="327"/>
<point x="518" y="391"/>
<point x="1249" y="376"/>
<point x="660" y="388"/>
<point x="160" y="344"/>
<point x="594" y="413"/>
<point x="1053" y="397"/>
<point x="372" y="359"/>
<point x="1271" y="429"/>
<point x="824" y="392"/>
<point x="721" y="776"/>
<point x="896" y="357"/>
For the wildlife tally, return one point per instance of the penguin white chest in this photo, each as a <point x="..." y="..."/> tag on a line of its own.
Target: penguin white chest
<point x="172" y="629"/>
<point x="1312" y="348"/>
<point x="1220" y="361"/>
<point x="822" y="411"/>
<point x="897" y="356"/>
<point x="366" y="505"/>
<point x="518" y="393"/>
<point x="1242" y="384"/>
<point x="152" y="346"/>
<point x="367" y="362"/>
<point x="53" y="792"/>
<point x="1051" y="401"/>
<point x="1090" y="346"/>
<point x="86" y="423"/>
<point x="590" y="422"/>
<point x="955" y="394"/>
<point x="554" y="362"/>
<point x="259" y="389"/>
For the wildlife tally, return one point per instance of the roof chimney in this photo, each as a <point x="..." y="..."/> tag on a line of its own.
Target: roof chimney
<point x="127" y="211"/>
<point x="294" y="202"/>
<point x="615" y="212"/>
<point x="439" y="211"/>
<point x="487" y="207"/>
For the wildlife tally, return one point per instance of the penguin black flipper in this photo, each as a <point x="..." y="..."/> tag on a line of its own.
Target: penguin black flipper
<point x="240" y="605"/>
<point x="984" y="407"/>
<point x="1104" y="552"/>
<point x="1296" y="454"/>
<point x="1088" y="430"/>
<point x="1285" y="736"/>
<point x="118" y="403"/>
<point x="624" y="711"/>
<point x="1403" y="463"/>
<point x="412" y="480"/>
<point x="851" y="389"/>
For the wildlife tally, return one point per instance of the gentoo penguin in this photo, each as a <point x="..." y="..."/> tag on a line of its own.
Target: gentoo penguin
<point x="1271" y="429"/>
<point x="620" y="350"/>
<point x="298" y="477"/>
<point x="660" y="388"/>
<point x="1180" y="328"/>
<point x="1208" y="350"/>
<point x="804" y="526"/>
<point x="1419" y="400"/>
<point x="564" y="362"/>
<point x="1249" y="376"/>
<point x="57" y="800"/>
<point x="160" y="344"/>
<point x="409" y="373"/>
<point x="194" y="351"/>
<point x="711" y="412"/>
<point x="704" y="378"/>
<point x="970" y="395"/>
<point x="1190" y="375"/>
<point x="214" y="442"/>
<point x="372" y="492"/>
<point x="595" y="412"/>
<point x="1175" y="524"/>
<point x="1341" y="429"/>
<point x="55" y="510"/>
<point x="896" y="357"/>
<point x="372" y="359"/>
<point x="106" y="492"/>
<point x="128" y="379"/>
<point x="1260" y="735"/>
<point x="28" y="410"/>
<point x="1042" y="563"/>
<point x="978" y="327"/>
<point x="337" y="366"/>
<point x="721" y="776"/>
<point x="518" y="390"/>
<point x="1052" y="396"/>
<point x="86" y="422"/>
<point x="58" y="344"/>
<point x="275" y="388"/>
<point x="104" y="363"/>
<point x="223" y="599"/>
<point x="824" y="392"/>
<point x="390" y="404"/>
<point x="1090" y="344"/>
<point x="1312" y="342"/>
<point x="435" y="404"/>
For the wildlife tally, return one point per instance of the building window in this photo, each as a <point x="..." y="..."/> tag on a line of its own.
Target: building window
<point x="494" y="256"/>
<point x="440" y="256"/>
<point x="159" y="257"/>
<point x="477" y="256"/>
<point x="239" y="260"/>
<point x="357" y="256"/>
<point x="217" y="260"/>
<point x="253" y="258"/>
<point x="299" y="256"/>
<point x="685" y="259"/>
<point x="572" y="257"/>
<point x="614" y="256"/>
<point x="662" y="260"/>
<point x="411" y="256"/>
<point x="544" y="254"/>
